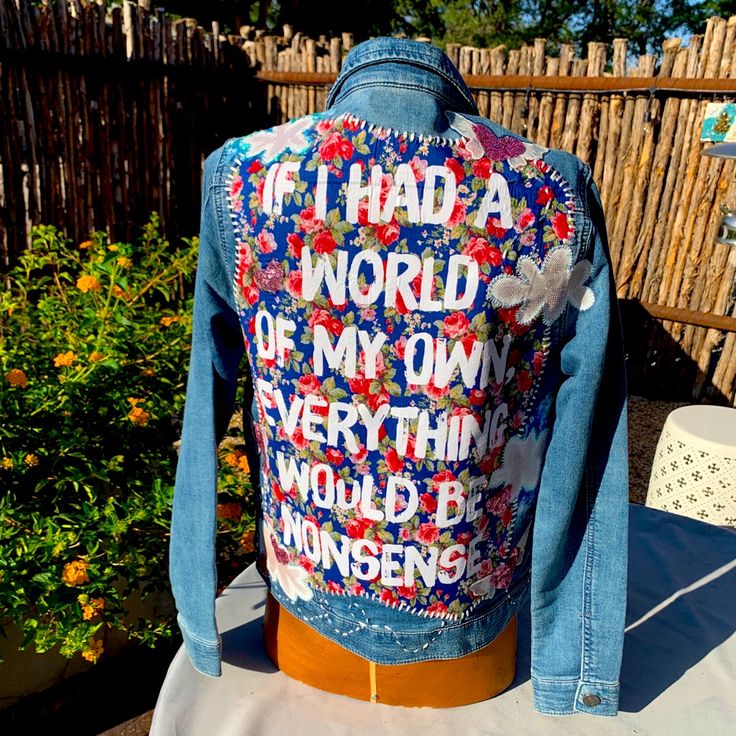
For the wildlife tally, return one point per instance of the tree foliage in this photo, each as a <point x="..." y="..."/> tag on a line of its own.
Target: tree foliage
<point x="482" y="23"/>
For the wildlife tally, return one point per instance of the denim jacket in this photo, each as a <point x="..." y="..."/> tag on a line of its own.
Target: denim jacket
<point x="426" y="304"/>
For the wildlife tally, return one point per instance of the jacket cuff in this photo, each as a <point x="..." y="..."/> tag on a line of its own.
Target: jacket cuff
<point x="567" y="696"/>
<point x="205" y="656"/>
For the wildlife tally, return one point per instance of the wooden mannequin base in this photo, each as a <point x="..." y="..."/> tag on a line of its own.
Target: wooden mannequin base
<point x="302" y="653"/>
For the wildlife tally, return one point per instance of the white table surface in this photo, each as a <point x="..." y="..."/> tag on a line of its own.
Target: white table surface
<point x="678" y="674"/>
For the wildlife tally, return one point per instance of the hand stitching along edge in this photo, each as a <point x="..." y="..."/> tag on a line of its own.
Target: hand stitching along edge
<point x="270" y="277"/>
<point x="546" y="289"/>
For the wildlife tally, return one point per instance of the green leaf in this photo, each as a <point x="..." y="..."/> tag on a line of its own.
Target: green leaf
<point x="46" y="578"/>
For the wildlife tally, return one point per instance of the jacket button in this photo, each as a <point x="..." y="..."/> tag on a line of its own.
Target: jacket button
<point x="591" y="699"/>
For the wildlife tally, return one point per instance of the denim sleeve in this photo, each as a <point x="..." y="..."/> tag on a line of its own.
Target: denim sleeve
<point x="580" y="535"/>
<point x="216" y="351"/>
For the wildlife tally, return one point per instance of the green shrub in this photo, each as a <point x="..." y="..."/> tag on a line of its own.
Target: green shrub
<point x="94" y="350"/>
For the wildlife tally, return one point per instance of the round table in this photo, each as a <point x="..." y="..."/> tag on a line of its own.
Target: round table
<point x="679" y="660"/>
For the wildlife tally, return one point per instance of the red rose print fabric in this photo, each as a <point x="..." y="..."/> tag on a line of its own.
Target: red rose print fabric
<point x="396" y="293"/>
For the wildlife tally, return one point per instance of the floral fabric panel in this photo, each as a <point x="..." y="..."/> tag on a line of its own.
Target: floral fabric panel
<point x="396" y="293"/>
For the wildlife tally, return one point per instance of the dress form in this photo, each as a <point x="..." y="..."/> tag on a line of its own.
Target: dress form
<point x="302" y="653"/>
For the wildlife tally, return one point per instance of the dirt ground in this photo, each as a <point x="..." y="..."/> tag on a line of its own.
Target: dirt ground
<point x="646" y="419"/>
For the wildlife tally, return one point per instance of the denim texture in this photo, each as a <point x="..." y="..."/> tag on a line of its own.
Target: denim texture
<point x="574" y="577"/>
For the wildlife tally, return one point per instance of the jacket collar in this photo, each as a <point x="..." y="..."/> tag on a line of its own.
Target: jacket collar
<point x="405" y="64"/>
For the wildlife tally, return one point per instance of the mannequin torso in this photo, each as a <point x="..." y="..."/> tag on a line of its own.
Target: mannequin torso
<point x="302" y="653"/>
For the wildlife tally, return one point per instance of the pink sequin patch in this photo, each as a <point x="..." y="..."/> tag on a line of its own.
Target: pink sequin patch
<point x="498" y="148"/>
<point x="271" y="277"/>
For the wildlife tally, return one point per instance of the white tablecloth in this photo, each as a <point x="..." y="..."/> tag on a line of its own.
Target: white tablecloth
<point x="678" y="675"/>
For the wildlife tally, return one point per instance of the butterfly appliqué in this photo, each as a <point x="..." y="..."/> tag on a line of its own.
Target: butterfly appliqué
<point x="482" y="141"/>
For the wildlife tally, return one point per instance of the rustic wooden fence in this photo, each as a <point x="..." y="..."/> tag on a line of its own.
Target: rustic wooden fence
<point x="108" y="116"/>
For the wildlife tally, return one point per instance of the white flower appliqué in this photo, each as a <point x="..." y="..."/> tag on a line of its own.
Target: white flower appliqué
<point x="482" y="587"/>
<point x="521" y="463"/>
<point x="292" y="578"/>
<point x="545" y="290"/>
<point x="274" y="141"/>
<point x="521" y="466"/>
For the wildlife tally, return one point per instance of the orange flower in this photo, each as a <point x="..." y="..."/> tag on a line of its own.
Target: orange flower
<point x="88" y="283"/>
<point x="63" y="359"/>
<point x="247" y="541"/>
<point x="166" y="321"/>
<point x="237" y="459"/>
<point x="232" y="458"/>
<point x="86" y="244"/>
<point x="75" y="573"/>
<point x="138" y="415"/>
<point x="91" y="607"/>
<point x="229" y="511"/>
<point x="16" y="377"/>
<point x="31" y="460"/>
<point x="93" y="653"/>
<point x="95" y="355"/>
<point x="124" y="262"/>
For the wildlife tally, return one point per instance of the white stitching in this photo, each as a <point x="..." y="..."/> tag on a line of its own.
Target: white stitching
<point x="388" y="131"/>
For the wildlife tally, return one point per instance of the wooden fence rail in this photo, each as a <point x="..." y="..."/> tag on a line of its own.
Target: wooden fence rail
<point x="107" y="115"/>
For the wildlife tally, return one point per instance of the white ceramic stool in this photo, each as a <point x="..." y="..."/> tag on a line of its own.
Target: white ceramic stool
<point x="694" y="469"/>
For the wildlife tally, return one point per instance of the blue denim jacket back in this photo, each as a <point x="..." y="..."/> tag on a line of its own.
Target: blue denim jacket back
<point x="573" y="562"/>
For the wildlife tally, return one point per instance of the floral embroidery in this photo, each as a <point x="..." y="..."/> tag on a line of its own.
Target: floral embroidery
<point x="482" y="141"/>
<point x="398" y="416"/>
<point x="547" y="289"/>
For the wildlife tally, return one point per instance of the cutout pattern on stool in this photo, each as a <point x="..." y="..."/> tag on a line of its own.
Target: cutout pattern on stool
<point x="693" y="482"/>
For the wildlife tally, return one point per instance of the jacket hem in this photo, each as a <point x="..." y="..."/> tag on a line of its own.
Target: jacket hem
<point x="368" y="635"/>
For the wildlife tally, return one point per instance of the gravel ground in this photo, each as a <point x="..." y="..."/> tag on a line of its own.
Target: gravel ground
<point x="646" y="419"/>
